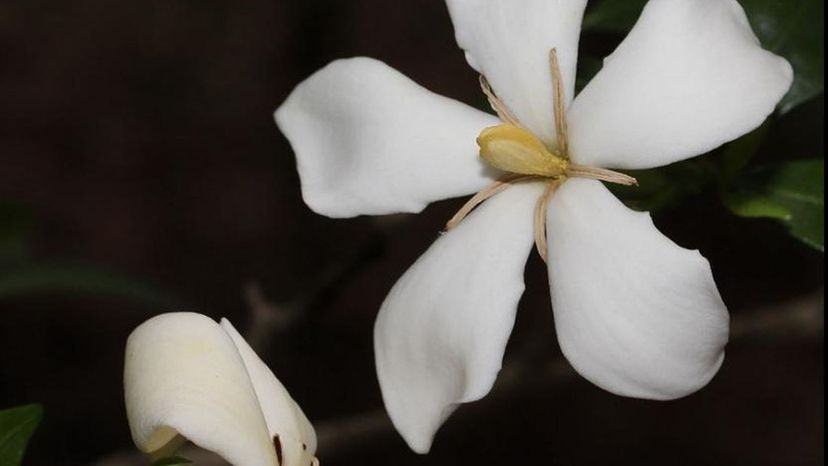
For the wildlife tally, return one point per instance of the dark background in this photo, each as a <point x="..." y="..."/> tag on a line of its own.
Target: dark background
<point x="138" y="135"/>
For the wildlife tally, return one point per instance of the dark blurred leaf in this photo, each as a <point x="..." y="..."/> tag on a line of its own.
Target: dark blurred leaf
<point x="587" y="68"/>
<point x="738" y="153"/>
<point x="613" y="15"/>
<point x="791" y="192"/>
<point x="15" y="225"/>
<point x="755" y="205"/>
<point x="665" y="187"/>
<point x="791" y="28"/>
<point x="16" y="427"/>
<point x="78" y="279"/>
<point x="172" y="461"/>
<point x="20" y="276"/>
<point x="794" y="30"/>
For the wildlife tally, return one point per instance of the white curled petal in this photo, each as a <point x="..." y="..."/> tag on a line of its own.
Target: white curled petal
<point x="440" y="335"/>
<point x="635" y="314"/>
<point x="183" y="375"/>
<point x="368" y="140"/>
<point x="508" y="41"/>
<point x="285" y="420"/>
<point x="690" y="76"/>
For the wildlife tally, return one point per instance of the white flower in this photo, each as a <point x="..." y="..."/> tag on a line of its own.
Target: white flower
<point x="635" y="314"/>
<point x="187" y="376"/>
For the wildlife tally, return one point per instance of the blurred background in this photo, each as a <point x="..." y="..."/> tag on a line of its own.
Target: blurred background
<point x="141" y="172"/>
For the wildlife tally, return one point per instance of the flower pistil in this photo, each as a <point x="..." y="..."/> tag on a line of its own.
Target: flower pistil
<point x="511" y="148"/>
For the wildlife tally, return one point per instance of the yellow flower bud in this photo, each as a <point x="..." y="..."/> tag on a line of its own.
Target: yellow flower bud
<point x="516" y="150"/>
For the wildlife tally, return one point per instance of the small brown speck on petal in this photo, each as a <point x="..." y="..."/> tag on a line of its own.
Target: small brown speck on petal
<point x="278" y="444"/>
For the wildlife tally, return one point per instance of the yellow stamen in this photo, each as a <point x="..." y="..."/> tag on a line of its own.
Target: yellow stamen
<point x="511" y="148"/>
<point x="516" y="150"/>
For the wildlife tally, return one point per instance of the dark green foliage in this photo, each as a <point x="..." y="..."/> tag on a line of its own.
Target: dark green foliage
<point x="789" y="191"/>
<point x="172" y="461"/>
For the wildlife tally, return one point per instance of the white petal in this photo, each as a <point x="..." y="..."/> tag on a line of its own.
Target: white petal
<point x="509" y="41"/>
<point x="368" y="140"/>
<point x="183" y="374"/>
<point x="284" y="417"/>
<point x="441" y="332"/>
<point x="635" y="313"/>
<point x="690" y="76"/>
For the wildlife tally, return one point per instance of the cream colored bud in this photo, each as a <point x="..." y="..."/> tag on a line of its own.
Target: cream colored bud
<point x="516" y="150"/>
<point x="186" y="376"/>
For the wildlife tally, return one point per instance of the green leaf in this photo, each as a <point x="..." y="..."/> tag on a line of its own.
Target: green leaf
<point x="794" y="30"/>
<point x="172" y="461"/>
<point x="791" y="192"/>
<point x="78" y="279"/>
<point x="665" y="187"/>
<point x="753" y="205"/>
<point x="16" y="427"/>
<point x="588" y="67"/>
<point x="790" y="28"/>
<point x="738" y="153"/>
<point x="613" y="15"/>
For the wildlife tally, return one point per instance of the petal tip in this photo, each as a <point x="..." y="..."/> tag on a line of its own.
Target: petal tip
<point x="691" y="387"/>
<point x="369" y="141"/>
<point x="420" y="445"/>
<point x="659" y="327"/>
<point x="787" y="73"/>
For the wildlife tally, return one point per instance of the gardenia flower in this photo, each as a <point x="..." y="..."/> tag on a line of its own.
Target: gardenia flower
<point x="185" y="376"/>
<point x="634" y="313"/>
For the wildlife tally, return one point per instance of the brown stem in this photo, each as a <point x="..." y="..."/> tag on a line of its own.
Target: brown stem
<point x="594" y="173"/>
<point x="497" y="105"/>
<point x="483" y="195"/>
<point x="540" y="218"/>
<point x="559" y="107"/>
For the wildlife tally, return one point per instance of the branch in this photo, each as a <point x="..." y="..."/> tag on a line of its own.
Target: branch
<point x="797" y="319"/>
<point x="268" y="319"/>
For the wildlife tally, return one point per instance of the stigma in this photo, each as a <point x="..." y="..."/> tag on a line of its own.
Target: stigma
<point x="516" y="150"/>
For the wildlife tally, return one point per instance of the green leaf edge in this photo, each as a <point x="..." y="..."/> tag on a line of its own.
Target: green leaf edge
<point x="172" y="461"/>
<point x="23" y="431"/>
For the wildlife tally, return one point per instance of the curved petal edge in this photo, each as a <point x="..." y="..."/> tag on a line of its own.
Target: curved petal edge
<point x="286" y="422"/>
<point x="440" y="335"/>
<point x="183" y="375"/>
<point x="370" y="141"/>
<point x="635" y="314"/>
<point x="509" y="41"/>
<point x="690" y="76"/>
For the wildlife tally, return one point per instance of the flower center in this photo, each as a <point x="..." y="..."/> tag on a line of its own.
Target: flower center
<point x="511" y="148"/>
<point x="516" y="150"/>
